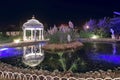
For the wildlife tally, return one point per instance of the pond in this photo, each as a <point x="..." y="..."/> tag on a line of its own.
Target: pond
<point x="92" y="57"/>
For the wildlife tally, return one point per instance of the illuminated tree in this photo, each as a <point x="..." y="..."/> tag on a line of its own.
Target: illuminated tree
<point x="102" y="28"/>
<point x="90" y="25"/>
<point x="115" y="24"/>
<point x="71" y="25"/>
<point x="103" y="23"/>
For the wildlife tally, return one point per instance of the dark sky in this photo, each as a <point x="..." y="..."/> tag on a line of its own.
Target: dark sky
<point x="56" y="11"/>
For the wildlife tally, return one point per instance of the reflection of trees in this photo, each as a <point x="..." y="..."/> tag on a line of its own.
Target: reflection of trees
<point x="50" y="62"/>
<point x="63" y="62"/>
<point x="96" y="47"/>
<point x="74" y="65"/>
<point x="114" y="48"/>
<point x="68" y="63"/>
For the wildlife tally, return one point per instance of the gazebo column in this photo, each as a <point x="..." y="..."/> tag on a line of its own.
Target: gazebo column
<point x="39" y="34"/>
<point x="35" y="35"/>
<point x="31" y="49"/>
<point x="42" y="35"/>
<point x="24" y="35"/>
<point x="31" y="34"/>
<point x="24" y="51"/>
<point x="40" y="48"/>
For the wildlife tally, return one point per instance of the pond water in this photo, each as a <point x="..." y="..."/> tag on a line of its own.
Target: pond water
<point x="92" y="57"/>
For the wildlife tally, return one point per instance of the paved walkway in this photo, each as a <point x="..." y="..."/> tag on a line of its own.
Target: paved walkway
<point x="23" y="43"/>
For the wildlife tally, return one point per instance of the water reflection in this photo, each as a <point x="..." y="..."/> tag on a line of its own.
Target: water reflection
<point x="114" y="48"/>
<point x="94" y="47"/>
<point x="72" y="63"/>
<point x="111" y="56"/>
<point x="33" y="55"/>
<point x="93" y="56"/>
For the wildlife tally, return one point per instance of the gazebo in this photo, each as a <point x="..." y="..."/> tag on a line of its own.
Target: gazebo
<point x="33" y="30"/>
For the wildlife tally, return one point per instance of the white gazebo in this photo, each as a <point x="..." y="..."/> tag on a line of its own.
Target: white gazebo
<point x="33" y="30"/>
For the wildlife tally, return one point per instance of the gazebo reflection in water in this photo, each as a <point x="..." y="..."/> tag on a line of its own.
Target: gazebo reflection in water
<point x="33" y="31"/>
<point x="33" y="55"/>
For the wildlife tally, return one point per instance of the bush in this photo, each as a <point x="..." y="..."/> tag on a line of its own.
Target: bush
<point x="85" y="34"/>
<point x="61" y="37"/>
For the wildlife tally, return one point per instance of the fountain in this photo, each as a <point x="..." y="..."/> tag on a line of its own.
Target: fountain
<point x="113" y="35"/>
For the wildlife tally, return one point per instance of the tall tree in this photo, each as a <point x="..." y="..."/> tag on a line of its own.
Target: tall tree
<point x="90" y="25"/>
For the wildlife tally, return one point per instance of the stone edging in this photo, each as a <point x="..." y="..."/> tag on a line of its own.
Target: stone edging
<point x="27" y="76"/>
<point x="66" y="47"/>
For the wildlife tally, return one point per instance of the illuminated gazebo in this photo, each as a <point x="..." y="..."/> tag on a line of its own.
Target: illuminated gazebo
<point x="33" y="30"/>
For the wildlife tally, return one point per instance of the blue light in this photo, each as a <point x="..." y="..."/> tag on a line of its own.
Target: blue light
<point x="9" y="52"/>
<point x="114" y="59"/>
<point x="2" y="49"/>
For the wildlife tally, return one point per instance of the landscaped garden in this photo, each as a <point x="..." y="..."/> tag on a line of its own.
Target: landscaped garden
<point x="66" y="57"/>
<point x="99" y="28"/>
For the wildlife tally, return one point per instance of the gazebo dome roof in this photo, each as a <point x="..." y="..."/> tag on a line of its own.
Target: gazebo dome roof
<point x="32" y="23"/>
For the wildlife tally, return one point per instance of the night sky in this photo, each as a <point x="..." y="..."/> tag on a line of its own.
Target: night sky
<point x="56" y="11"/>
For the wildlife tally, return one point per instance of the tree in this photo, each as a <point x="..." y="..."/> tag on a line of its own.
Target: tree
<point x="103" y="27"/>
<point x="71" y="25"/>
<point x="103" y="23"/>
<point x="100" y="28"/>
<point x="90" y="25"/>
<point x="115" y="24"/>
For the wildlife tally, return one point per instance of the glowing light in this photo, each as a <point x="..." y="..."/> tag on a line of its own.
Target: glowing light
<point x="87" y="27"/>
<point x="16" y="40"/>
<point x="2" y="49"/>
<point x="95" y="37"/>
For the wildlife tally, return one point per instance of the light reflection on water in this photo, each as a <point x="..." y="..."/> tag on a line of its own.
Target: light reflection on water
<point x="114" y="59"/>
<point x="111" y="56"/>
<point x="93" y="56"/>
<point x="9" y="52"/>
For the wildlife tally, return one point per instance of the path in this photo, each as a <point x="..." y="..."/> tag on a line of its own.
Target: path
<point x="22" y="43"/>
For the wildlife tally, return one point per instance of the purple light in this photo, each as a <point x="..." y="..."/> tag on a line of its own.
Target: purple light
<point x="118" y="13"/>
